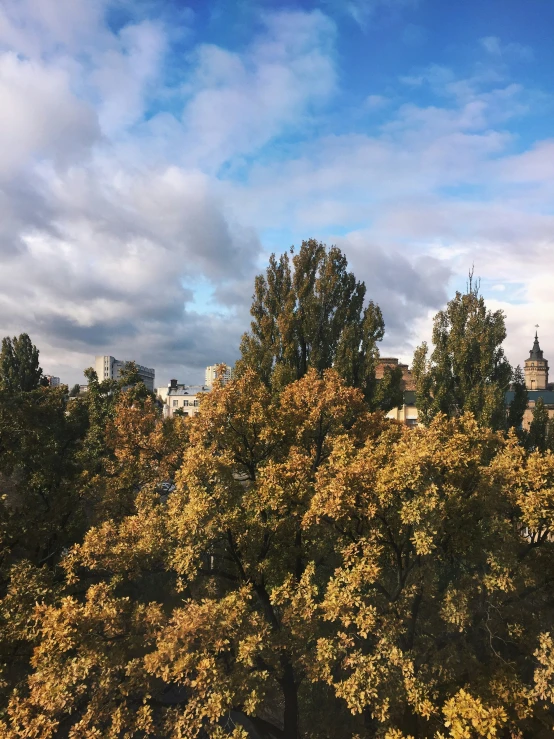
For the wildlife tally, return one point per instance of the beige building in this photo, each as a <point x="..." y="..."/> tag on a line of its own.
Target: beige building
<point x="536" y="368"/>
<point x="182" y="398"/>
<point x="536" y="382"/>
<point x="211" y="374"/>
<point x="407" y="412"/>
<point x="110" y="368"/>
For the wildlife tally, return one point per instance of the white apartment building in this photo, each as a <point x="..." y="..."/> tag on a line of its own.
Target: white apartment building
<point x="53" y="381"/>
<point x="181" y="397"/>
<point x="110" y="368"/>
<point x="211" y="374"/>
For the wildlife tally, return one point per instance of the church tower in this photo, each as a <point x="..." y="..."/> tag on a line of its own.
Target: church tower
<point x="536" y="368"/>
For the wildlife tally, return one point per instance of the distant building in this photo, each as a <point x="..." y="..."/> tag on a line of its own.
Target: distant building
<point x="181" y="397"/>
<point x="110" y="368"/>
<point x="211" y="374"/>
<point x="53" y="381"/>
<point x="536" y="368"/>
<point x="407" y="412"/>
<point x="536" y="382"/>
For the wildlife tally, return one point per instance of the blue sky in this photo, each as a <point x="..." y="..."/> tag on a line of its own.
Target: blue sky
<point x="155" y="153"/>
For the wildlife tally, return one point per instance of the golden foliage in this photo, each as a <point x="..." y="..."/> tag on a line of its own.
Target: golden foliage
<point x="317" y="568"/>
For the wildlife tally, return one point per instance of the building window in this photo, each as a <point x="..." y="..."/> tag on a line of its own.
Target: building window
<point x="175" y="403"/>
<point x="195" y="403"/>
<point x="185" y="403"/>
<point x="185" y="413"/>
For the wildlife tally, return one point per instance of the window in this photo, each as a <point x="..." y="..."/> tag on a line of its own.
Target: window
<point x="185" y="413"/>
<point x="195" y="403"/>
<point x="175" y="403"/>
<point x="185" y="403"/>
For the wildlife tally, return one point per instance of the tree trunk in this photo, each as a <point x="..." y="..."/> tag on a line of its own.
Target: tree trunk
<point x="290" y="694"/>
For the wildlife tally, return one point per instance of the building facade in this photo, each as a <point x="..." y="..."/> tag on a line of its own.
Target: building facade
<point x="537" y="384"/>
<point x="52" y="380"/>
<point x="180" y="397"/>
<point x="407" y="412"/>
<point x="536" y="368"/>
<point x="110" y="368"/>
<point x="211" y="374"/>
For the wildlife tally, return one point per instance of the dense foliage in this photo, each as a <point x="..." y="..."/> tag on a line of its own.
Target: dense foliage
<point x="467" y="369"/>
<point x="314" y="316"/>
<point x="286" y="564"/>
<point x="19" y="367"/>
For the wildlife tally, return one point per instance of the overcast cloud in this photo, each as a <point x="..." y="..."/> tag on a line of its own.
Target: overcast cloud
<point x="148" y="168"/>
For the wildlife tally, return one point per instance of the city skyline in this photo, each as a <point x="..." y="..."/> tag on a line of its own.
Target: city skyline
<point x="155" y="153"/>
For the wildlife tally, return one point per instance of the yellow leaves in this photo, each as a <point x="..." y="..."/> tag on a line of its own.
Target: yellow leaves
<point x="346" y="596"/>
<point x="498" y="577"/>
<point x="468" y="717"/>
<point x="544" y="675"/>
<point x="455" y="608"/>
<point x="535" y="493"/>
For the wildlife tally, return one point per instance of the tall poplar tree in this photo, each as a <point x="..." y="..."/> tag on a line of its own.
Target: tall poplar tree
<point x="19" y="367"/>
<point x="309" y="311"/>
<point x="537" y="439"/>
<point x="467" y="369"/>
<point x="519" y="402"/>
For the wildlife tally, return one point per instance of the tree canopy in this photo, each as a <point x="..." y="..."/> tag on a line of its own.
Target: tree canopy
<point x="467" y="369"/>
<point x="312" y="314"/>
<point x="318" y="571"/>
<point x="19" y="364"/>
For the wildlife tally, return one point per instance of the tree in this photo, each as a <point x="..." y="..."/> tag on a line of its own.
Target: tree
<point x="537" y="438"/>
<point x="42" y="514"/>
<point x="19" y="364"/>
<point x="518" y="404"/>
<point x="75" y="390"/>
<point x="467" y="370"/>
<point x="318" y="572"/>
<point x="313" y="316"/>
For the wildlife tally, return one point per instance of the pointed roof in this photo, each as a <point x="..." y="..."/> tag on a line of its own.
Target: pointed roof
<point x="536" y="351"/>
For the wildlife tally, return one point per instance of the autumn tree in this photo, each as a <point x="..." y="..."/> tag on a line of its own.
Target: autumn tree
<point x="317" y="572"/>
<point x="50" y="500"/>
<point x="98" y="408"/>
<point x="467" y="369"/>
<point x="42" y="513"/>
<point x="19" y="364"/>
<point x="313" y="314"/>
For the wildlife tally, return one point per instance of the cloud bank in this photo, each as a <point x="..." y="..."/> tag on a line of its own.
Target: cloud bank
<point x="147" y="171"/>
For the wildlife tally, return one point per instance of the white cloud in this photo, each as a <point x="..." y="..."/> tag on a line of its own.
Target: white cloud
<point x="239" y="102"/>
<point x="133" y="201"/>
<point x="107" y="224"/>
<point x="365" y="11"/>
<point x="376" y="102"/>
<point x="494" y="46"/>
<point x="39" y="116"/>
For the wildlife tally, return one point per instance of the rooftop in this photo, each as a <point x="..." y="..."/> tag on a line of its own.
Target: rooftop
<point x="536" y="352"/>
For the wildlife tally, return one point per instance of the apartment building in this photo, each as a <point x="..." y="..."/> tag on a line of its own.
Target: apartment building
<point x="110" y="368"/>
<point x="180" y="397"/>
<point x="211" y="374"/>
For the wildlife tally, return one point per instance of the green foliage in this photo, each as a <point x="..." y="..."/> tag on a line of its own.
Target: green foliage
<point x="538" y="437"/>
<point x="75" y="390"/>
<point x="312" y="315"/>
<point x="519" y="403"/>
<point x="19" y="364"/>
<point x="467" y="369"/>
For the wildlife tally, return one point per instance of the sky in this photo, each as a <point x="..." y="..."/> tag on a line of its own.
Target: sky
<point x="154" y="153"/>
